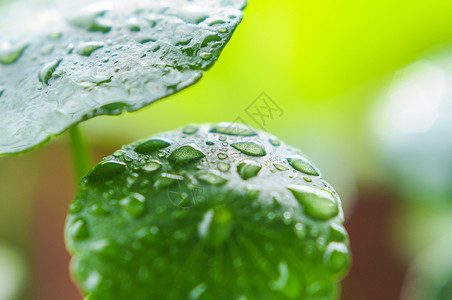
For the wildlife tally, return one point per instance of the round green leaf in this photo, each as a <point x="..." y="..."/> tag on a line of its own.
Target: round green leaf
<point x="62" y="62"/>
<point x="201" y="218"/>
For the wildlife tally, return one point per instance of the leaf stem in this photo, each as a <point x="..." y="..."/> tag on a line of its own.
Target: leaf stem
<point x="81" y="158"/>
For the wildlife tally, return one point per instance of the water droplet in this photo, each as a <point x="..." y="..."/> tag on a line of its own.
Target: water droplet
<point x="185" y="154"/>
<point x="222" y="29"/>
<point x="210" y="38"/>
<point x="317" y="203"/>
<point x="280" y="167"/>
<point x="307" y="179"/>
<point x="205" y="55"/>
<point x="134" y="204"/>
<point x="300" y="164"/>
<point x="209" y="143"/>
<point x="98" y="209"/>
<point x="88" y="20"/>
<point x="233" y="129"/>
<point x="107" y="170"/>
<point x="223" y="166"/>
<point x="250" y="148"/>
<point x="197" y="291"/>
<point x="300" y="231"/>
<point x="75" y="207"/>
<point x="133" y="25"/>
<point x="203" y="228"/>
<point x="105" y="247"/>
<point x="151" y="146"/>
<point x="338" y="232"/>
<point x="248" y="168"/>
<point x="10" y="54"/>
<point x="222" y="138"/>
<point x="86" y="48"/>
<point x="222" y="155"/>
<point x="274" y="142"/>
<point x="190" y="130"/>
<point x="152" y="166"/>
<point x="79" y="229"/>
<point x="2" y="90"/>
<point x="47" y="71"/>
<point x="191" y="14"/>
<point x="55" y="35"/>
<point x="337" y="257"/>
<point x="211" y="178"/>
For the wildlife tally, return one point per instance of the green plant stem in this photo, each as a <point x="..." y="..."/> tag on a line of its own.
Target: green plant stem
<point x="80" y="153"/>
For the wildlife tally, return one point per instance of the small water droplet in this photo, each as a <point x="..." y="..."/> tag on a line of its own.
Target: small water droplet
<point x="233" y="129"/>
<point x="222" y="155"/>
<point x="280" y="167"/>
<point x="190" y="130"/>
<point x="248" y="168"/>
<point x="10" y="54"/>
<point x="152" y="166"/>
<point x="134" y="204"/>
<point x="307" y="179"/>
<point x="222" y="29"/>
<point x="302" y="165"/>
<point x="209" y="143"/>
<point x="55" y="35"/>
<point x="98" y="209"/>
<point x="223" y="166"/>
<point x="2" y="90"/>
<point x="211" y="178"/>
<point x="75" y="207"/>
<point x="151" y="146"/>
<point x="86" y="48"/>
<point x="275" y="142"/>
<point x="197" y="292"/>
<point x="79" y="229"/>
<point x="105" y="247"/>
<point x="317" y="203"/>
<point x="205" y="55"/>
<point x="185" y="154"/>
<point x="47" y="71"/>
<point x="337" y="257"/>
<point x="250" y="148"/>
<point x="133" y="25"/>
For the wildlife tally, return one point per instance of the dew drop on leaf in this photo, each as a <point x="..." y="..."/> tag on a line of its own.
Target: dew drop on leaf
<point x="300" y="164"/>
<point x="337" y="257"/>
<point x="248" y="168"/>
<point x="79" y="229"/>
<point x="10" y="54"/>
<point x="250" y="148"/>
<point x="47" y="71"/>
<point x="134" y="204"/>
<point x="86" y="48"/>
<point x="317" y="203"/>
<point x="211" y="178"/>
<point x="233" y="129"/>
<point x="185" y="154"/>
<point x="152" y="146"/>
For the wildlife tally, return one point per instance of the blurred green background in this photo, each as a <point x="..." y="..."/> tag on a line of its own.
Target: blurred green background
<point x="326" y="65"/>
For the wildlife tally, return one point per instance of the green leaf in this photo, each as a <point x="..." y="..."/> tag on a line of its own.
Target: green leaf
<point x="62" y="62"/>
<point x="202" y="219"/>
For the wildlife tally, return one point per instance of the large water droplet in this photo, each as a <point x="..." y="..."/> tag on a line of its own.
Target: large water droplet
<point x="275" y="142"/>
<point x="152" y="166"/>
<point x="222" y="155"/>
<point x="317" y="203"/>
<point x="105" y="247"/>
<point x="337" y="257"/>
<point x="88" y="19"/>
<point x="248" y="168"/>
<point x="190" y="14"/>
<point x="151" y="146"/>
<point x="190" y="130"/>
<point x="47" y="71"/>
<point x="185" y="154"/>
<point x="250" y="148"/>
<point x="10" y="54"/>
<point x="87" y="48"/>
<point x="107" y="170"/>
<point x="233" y="129"/>
<point x="302" y="165"/>
<point x="223" y="166"/>
<point x="281" y="167"/>
<point x="134" y="204"/>
<point x="79" y="229"/>
<point x="211" y="178"/>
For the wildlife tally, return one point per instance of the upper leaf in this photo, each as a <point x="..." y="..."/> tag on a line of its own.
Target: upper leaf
<point x="62" y="62"/>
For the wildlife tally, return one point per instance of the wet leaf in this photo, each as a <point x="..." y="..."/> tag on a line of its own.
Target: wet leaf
<point x="198" y="219"/>
<point x="62" y="62"/>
